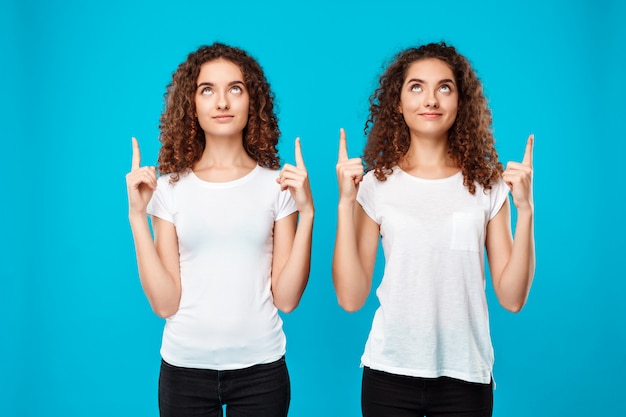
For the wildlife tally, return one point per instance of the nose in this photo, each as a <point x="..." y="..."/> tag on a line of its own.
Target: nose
<point x="430" y="99"/>
<point x="222" y="102"/>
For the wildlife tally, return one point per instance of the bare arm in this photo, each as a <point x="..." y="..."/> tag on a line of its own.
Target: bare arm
<point x="291" y="260"/>
<point x="512" y="261"/>
<point x="354" y="257"/>
<point x="356" y="240"/>
<point x="158" y="261"/>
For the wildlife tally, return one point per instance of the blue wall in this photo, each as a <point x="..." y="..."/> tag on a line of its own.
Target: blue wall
<point x="80" y="78"/>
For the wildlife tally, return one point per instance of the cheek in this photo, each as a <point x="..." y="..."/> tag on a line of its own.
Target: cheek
<point x="245" y="109"/>
<point x="453" y="107"/>
<point x="241" y="103"/>
<point x="407" y="105"/>
<point x="201" y="104"/>
<point x="455" y="112"/>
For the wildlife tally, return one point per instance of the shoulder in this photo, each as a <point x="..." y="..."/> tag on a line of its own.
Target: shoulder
<point x="262" y="175"/>
<point x="370" y="177"/>
<point x="169" y="181"/>
<point x="500" y="185"/>
<point x="165" y="181"/>
<point x="498" y="188"/>
<point x="369" y="181"/>
<point x="370" y="185"/>
<point x="267" y="172"/>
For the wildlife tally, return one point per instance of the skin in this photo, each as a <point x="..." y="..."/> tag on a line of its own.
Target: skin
<point x="222" y="104"/>
<point x="429" y="104"/>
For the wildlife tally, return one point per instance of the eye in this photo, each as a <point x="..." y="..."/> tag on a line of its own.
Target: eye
<point x="206" y="91"/>
<point x="236" y="89"/>
<point x="416" y="87"/>
<point x="445" y="88"/>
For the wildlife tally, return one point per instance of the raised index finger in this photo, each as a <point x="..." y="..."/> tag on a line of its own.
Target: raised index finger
<point x="343" y="145"/>
<point x="136" y="155"/>
<point x="299" y="159"/>
<point x="528" y="153"/>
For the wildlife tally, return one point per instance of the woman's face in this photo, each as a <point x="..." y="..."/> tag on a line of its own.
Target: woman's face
<point x="222" y="100"/>
<point x="429" y="99"/>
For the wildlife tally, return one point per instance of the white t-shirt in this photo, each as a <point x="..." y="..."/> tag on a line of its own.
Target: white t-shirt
<point x="433" y="319"/>
<point x="227" y="318"/>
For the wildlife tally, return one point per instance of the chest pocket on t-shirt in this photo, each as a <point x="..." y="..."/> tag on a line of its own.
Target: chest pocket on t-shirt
<point x="468" y="231"/>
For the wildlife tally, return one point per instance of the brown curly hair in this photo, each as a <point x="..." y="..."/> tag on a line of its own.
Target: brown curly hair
<point x="181" y="137"/>
<point x="470" y="138"/>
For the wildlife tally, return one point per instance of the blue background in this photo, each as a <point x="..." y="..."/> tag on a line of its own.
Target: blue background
<point x="79" y="79"/>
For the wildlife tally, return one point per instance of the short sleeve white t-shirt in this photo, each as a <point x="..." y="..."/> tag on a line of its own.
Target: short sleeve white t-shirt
<point x="433" y="318"/>
<point x="227" y="318"/>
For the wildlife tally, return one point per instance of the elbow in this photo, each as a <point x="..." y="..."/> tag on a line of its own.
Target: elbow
<point x="350" y="308"/>
<point x="164" y="311"/>
<point x="514" y="307"/>
<point x="348" y="299"/>
<point x="286" y="307"/>
<point x="287" y="303"/>
<point x="349" y="304"/>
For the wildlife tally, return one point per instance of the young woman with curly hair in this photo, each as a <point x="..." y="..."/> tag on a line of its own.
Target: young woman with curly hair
<point x="232" y="239"/>
<point x="436" y="193"/>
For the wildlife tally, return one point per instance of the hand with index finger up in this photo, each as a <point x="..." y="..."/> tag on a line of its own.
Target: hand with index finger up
<point x="140" y="183"/>
<point x="349" y="171"/>
<point x="296" y="180"/>
<point x="519" y="177"/>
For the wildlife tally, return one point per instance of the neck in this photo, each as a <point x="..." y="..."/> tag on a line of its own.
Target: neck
<point x="224" y="152"/>
<point x="428" y="157"/>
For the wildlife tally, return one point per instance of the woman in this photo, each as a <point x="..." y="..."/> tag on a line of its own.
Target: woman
<point x="232" y="239"/>
<point x="436" y="193"/>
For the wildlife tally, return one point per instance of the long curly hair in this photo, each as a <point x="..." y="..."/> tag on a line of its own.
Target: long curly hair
<point x="470" y="138"/>
<point x="182" y="139"/>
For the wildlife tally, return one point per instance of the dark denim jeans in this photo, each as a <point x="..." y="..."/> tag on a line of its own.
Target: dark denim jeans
<point x="259" y="391"/>
<point x="386" y="395"/>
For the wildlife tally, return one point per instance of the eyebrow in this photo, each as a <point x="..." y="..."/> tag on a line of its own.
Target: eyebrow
<point x="209" y="84"/>
<point x="444" y="81"/>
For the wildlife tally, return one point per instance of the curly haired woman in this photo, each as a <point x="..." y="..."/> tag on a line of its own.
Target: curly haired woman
<point x="232" y="239"/>
<point x="436" y="193"/>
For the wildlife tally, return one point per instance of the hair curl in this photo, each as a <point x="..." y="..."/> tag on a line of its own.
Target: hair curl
<point x="182" y="139"/>
<point x="470" y="138"/>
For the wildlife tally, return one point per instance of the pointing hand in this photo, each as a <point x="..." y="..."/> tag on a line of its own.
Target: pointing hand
<point x="296" y="180"/>
<point x="519" y="177"/>
<point x="140" y="183"/>
<point x="349" y="171"/>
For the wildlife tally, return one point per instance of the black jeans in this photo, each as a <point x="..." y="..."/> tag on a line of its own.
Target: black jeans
<point x="259" y="391"/>
<point x="389" y="395"/>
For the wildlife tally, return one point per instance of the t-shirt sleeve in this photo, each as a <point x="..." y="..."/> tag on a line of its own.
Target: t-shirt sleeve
<point x="365" y="196"/>
<point x="499" y="195"/>
<point x="160" y="203"/>
<point x="286" y="205"/>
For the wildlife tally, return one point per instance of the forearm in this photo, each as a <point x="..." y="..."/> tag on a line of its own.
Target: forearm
<point x="351" y="281"/>
<point x="161" y="288"/>
<point x="517" y="276"/>
<point x="293" y="277"/>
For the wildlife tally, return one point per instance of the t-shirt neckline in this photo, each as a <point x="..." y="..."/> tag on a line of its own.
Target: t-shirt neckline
<point x="226" y="184"/>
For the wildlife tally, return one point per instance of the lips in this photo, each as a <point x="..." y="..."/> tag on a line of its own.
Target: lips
<point x="431" y="116"/>
<point x="223" y="118"/>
